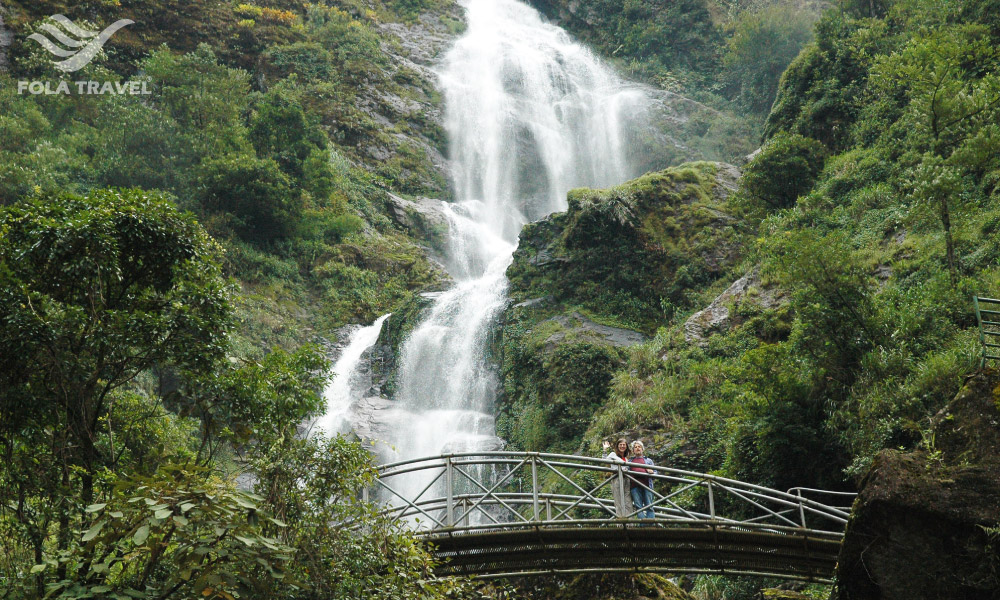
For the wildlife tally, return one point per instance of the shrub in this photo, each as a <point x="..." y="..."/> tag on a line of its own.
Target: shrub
<point x="784" y="169"/>
<point x="255" y="192"/>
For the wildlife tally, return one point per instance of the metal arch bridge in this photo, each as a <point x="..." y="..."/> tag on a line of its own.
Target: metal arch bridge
<point x="505" y="514"/>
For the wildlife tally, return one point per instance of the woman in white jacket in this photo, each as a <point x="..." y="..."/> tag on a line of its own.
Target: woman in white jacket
<point x="623" y="504"/>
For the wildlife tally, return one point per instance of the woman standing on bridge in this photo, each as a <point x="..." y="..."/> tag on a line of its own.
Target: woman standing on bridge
<point x="619" y="454"/>
<point x="641" y="485"/>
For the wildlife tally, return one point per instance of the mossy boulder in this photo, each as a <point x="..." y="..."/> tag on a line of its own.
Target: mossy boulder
<point x="924" y="524"/>
<point x="591" y="282"/>
<point x="556" y="371"/>
<point x="385" y="354"/>
<point x="633" y="250"/>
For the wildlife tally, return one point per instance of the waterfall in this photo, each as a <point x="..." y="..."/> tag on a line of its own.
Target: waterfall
<point x="529" y="114"/>
<point x="344" y="387"/>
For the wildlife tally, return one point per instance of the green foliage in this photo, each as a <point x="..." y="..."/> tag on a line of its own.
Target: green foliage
<point x="312" y="486"/>
<point x="96" y="290"/>
<point x="121" y="408"/>
<point x="820" y="94"/>
<point x="255" y="194"/>
<point x="658" y="38"/>
<point x="207" y="99"/>
<point x="761" y="46"/>
<point x="255" y="400"/>
<point x="784" y="169"/>
<point x="833" y="297"/>
<point x="279" y="130"/>
<point x="353" y="44"/>
<point x="178" y="534"/>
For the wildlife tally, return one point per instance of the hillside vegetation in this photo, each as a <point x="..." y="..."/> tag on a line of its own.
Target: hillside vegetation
<point x="863" y="228"/>
<point x="166" y="262"/>
<point x="280" y="126"/>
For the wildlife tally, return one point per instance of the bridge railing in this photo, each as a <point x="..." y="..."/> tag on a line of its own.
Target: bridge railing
<point x="507" y="489"/>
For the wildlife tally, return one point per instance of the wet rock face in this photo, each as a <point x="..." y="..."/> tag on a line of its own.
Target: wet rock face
<point x="407" y="106"/>
<point x="423" y="218"/>
<point x="919" y="529"/>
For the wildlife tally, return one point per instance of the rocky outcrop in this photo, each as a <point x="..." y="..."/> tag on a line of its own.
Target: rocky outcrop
<point x="422" y="218"/>
<point x="575" y="327"/>
<point x="924" y="526"/>
<point x="385" y="355"/>
<point x="719" y="316"/>
<point x="409" y="109"/>
<point x="631" y="251"/>
<point x="590" y="283"/>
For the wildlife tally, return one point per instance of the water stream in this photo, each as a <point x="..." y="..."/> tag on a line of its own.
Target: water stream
<point x="530" y="114"/>
<point x="344" y="388"/>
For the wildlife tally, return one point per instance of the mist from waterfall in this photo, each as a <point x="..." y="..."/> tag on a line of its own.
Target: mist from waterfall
<point x="530" y="114"/>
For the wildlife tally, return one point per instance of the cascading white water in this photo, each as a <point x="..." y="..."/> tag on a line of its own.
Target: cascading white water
<point x="529" y="114"/>
<point x="344" y="388"/>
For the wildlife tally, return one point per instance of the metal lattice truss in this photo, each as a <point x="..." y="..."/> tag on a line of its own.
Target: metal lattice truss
<point x="499" y="514"/>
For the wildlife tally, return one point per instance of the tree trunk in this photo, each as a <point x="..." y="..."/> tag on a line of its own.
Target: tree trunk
<point x="64" y="508"/>
<point x="949" y="242"/>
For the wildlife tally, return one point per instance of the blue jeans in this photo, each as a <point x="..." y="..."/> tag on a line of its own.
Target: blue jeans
<point x="641" y="498"/>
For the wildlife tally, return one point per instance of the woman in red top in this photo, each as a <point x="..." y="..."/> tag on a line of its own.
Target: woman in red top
<point x="641" y="486"/>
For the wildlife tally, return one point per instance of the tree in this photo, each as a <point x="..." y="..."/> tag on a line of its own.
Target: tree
<point x="205" y="98"/>
<point x="254" y="193"/>
<point x="762" y="45"/>
<point x="94" y="291"/>
<point x="280" y="130"/>
<point x="954" y="99"/>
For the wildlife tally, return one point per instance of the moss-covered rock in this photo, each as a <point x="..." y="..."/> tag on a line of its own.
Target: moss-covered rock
<point x="556" y="372"/>
<point x="591" y="282"/>
<point x="386" y="352"/>
<point x="633" y="250"/>
<point x="921" y="526"/>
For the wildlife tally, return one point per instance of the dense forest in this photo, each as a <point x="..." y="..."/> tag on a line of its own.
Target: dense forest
<point x="174" y="265"/>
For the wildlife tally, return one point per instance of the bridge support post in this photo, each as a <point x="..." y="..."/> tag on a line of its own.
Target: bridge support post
<point x="620" y="482"/>
<point x="536" y="509"/>
<point x="449" y="483"/>
<point x="711" y="501"/>
<point x="802" y="508"/>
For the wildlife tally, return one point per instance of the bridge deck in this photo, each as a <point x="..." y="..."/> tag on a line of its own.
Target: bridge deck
<point x="633" y="546"/>
<point x="505" y="514"/>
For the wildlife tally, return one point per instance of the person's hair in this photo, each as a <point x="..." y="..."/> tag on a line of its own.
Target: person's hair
<point x="628" y="447"/>
<point x="638" y="443"/>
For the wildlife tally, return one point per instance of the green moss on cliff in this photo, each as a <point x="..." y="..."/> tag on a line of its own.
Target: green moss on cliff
<point x="598" y="279"/>
<point x="631" y="252"/>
